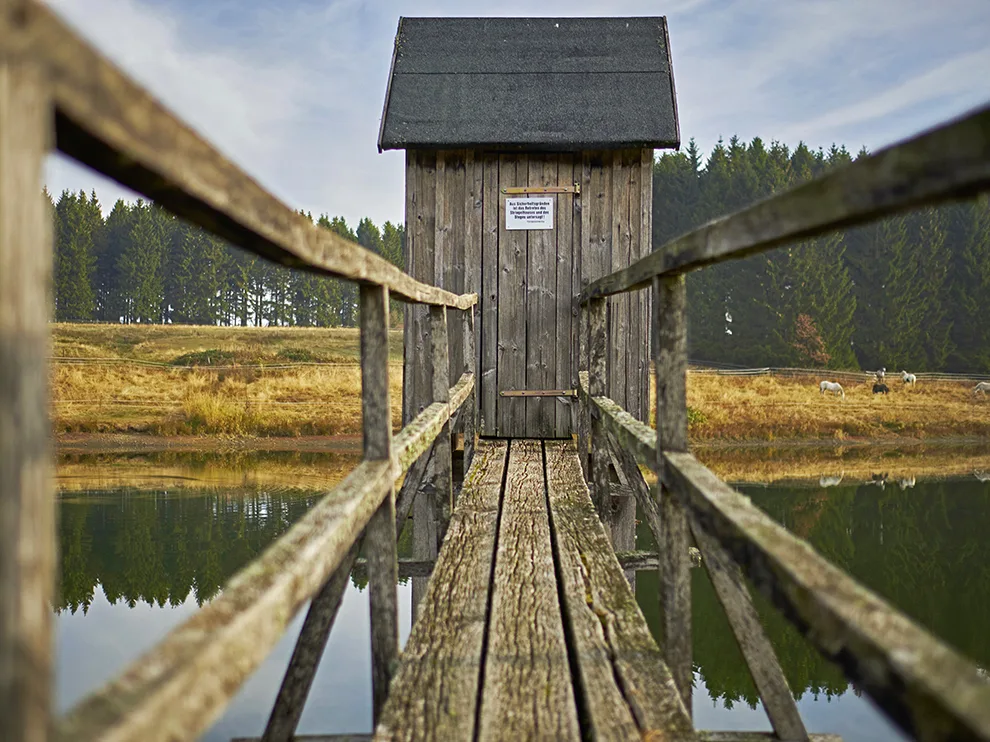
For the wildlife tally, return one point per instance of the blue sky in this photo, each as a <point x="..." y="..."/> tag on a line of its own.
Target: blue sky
<point x="293" y="90"/>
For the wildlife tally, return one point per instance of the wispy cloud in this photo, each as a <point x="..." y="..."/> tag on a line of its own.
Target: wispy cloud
<point x="293" y="91"/>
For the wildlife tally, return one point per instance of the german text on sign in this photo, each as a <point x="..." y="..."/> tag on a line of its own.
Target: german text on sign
<point x="529" y="213"/>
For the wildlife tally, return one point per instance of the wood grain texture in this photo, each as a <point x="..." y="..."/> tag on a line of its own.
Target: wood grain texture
<point x="597" y="367"/>
<point x="775" y="694"/>
<point x="418" y="435"/>
<point x="383" y="576"/>
<point x="618" y="306"/>
<point x="380" y="535"/>
<point x="566" y="309"/>
<point x="924" y="686"/>
<point x="584" y="403"/>
<point x="950" y="162"/>
<point x="108" y="122"/>
<point x="178" y="688"/>
<point x="420" y="262"/>
<point x="470" y="409"/>
<point x="488" y="330"/>
<point x="27" y="507"/>
<point x="628" y="691"/>
<point x="646" y="297"/>
<point x="528" y="692"/>
<point x="306" y="656"/>
<point x="511" y="312"/>
<point x="435" y="691"/>
<point x="539" y="325"/>
<point x="670" y="358"/>
<point x="442" y="448"/>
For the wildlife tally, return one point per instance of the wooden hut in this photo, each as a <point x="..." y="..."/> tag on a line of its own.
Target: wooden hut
<point x="529" y="150"/>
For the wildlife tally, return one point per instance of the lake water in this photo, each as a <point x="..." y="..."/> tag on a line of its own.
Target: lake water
<point x="146" y="539"/>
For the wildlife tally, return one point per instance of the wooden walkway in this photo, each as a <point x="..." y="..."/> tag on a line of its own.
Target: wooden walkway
<point x="529" y="628"/>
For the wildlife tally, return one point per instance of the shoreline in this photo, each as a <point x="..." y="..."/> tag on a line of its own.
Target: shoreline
<point x="70" y="443"/>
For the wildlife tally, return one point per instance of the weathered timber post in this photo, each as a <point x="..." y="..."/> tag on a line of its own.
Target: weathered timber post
<point x="442" y="464"/>
<point x="597" y="369"/>
<point x="670" y="357"/>
<point x="469" y="410"/>
<point x="305" y="660"/>
<point x="584" y="406"/>
<point x="27" y="508"/>
<point x="379" y="539"/>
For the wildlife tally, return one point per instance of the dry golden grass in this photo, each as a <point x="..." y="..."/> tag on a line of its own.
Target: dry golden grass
<point x="247" y="397"/>
<point x="307" y="400"/>
<point x="255" y="399"/>
<point x="773" y="409"/>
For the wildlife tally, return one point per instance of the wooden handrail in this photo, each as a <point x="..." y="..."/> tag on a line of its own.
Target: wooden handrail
<point x="921" y="683"/>
<point x="948" y="163"/>
<point x="107" y="121"/>
<point x="178" y="688"/>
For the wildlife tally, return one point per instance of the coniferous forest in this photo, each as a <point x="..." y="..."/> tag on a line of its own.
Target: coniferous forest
<point x="908" y="292"/>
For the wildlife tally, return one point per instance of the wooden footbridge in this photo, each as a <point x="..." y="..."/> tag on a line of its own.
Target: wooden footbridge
<point x="528" y="627"/>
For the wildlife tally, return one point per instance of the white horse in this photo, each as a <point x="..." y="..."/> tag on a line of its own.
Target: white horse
<point x="831" y="386"/>
<point x="906" y="483"/>
<point x="908" y="378"/>
<point x="983" y="387"/>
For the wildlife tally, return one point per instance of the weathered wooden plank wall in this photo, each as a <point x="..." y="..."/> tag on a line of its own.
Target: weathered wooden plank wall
<point x="526" y="333"/>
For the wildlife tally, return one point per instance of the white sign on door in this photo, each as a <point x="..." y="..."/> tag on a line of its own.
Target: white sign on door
<point x="529" y="213"/>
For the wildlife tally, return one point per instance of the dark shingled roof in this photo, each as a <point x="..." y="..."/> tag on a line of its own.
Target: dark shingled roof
<point x="546" y="84"/>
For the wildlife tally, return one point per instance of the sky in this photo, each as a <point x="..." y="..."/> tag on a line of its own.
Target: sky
<point x="292" y="90"/>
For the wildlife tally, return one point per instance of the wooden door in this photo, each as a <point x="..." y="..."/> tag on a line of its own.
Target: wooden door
<point x="527" y="290"/>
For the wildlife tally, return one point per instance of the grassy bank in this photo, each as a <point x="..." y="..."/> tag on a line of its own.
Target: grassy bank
<point x="768" y="408"/>
<point x="305" y="382"/>
<point x="212" y="380"/>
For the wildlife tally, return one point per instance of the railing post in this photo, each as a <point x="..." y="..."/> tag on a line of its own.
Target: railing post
<point x="670" y="358"/>
<point x="379" y="539"/>
<point x="597" y="355"/>
<point x="584" y="405"/>
<point x="442" y="485"/>
<point x="27" y="542"/>
<point x="470" y="407"/>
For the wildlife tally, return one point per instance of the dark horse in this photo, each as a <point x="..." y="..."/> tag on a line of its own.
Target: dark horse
<point x="881" y="389"/>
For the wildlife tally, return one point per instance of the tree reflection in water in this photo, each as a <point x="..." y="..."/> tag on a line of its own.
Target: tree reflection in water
<point x="924" y="549"/>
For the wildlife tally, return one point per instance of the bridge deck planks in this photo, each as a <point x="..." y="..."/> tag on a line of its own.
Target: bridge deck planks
<point x="546" y="641"/>
<point x="527" y="691"/>
<point x="628" y="690"/>
<point x="434" y="694"/>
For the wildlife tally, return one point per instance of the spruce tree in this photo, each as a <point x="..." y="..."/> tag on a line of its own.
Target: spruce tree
<point x="74" y="258"/>
<point x="971" y="289"/>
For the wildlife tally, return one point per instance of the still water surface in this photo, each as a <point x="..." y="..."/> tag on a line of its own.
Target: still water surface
<point x="147" y="539"/>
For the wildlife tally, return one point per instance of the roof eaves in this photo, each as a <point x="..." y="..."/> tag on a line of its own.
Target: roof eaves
<point x="673" y="91"/>
<point x="388" y="86"/>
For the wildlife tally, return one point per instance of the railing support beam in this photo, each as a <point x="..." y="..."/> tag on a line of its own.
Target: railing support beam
<point x="584" y="405"/>
<point x="379" y="537"/>
<point x="597" y="369"/>
<point x="470" y="409"/>
<point x="442" y="464"/>
<point x="27" y="507"/>
<point x="670" y="359"/>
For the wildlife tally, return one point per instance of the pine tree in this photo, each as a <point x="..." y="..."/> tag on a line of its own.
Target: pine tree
<point x="971" y="289"/>
<point x="74" y="259"/>
<point x="140" y="266"/>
